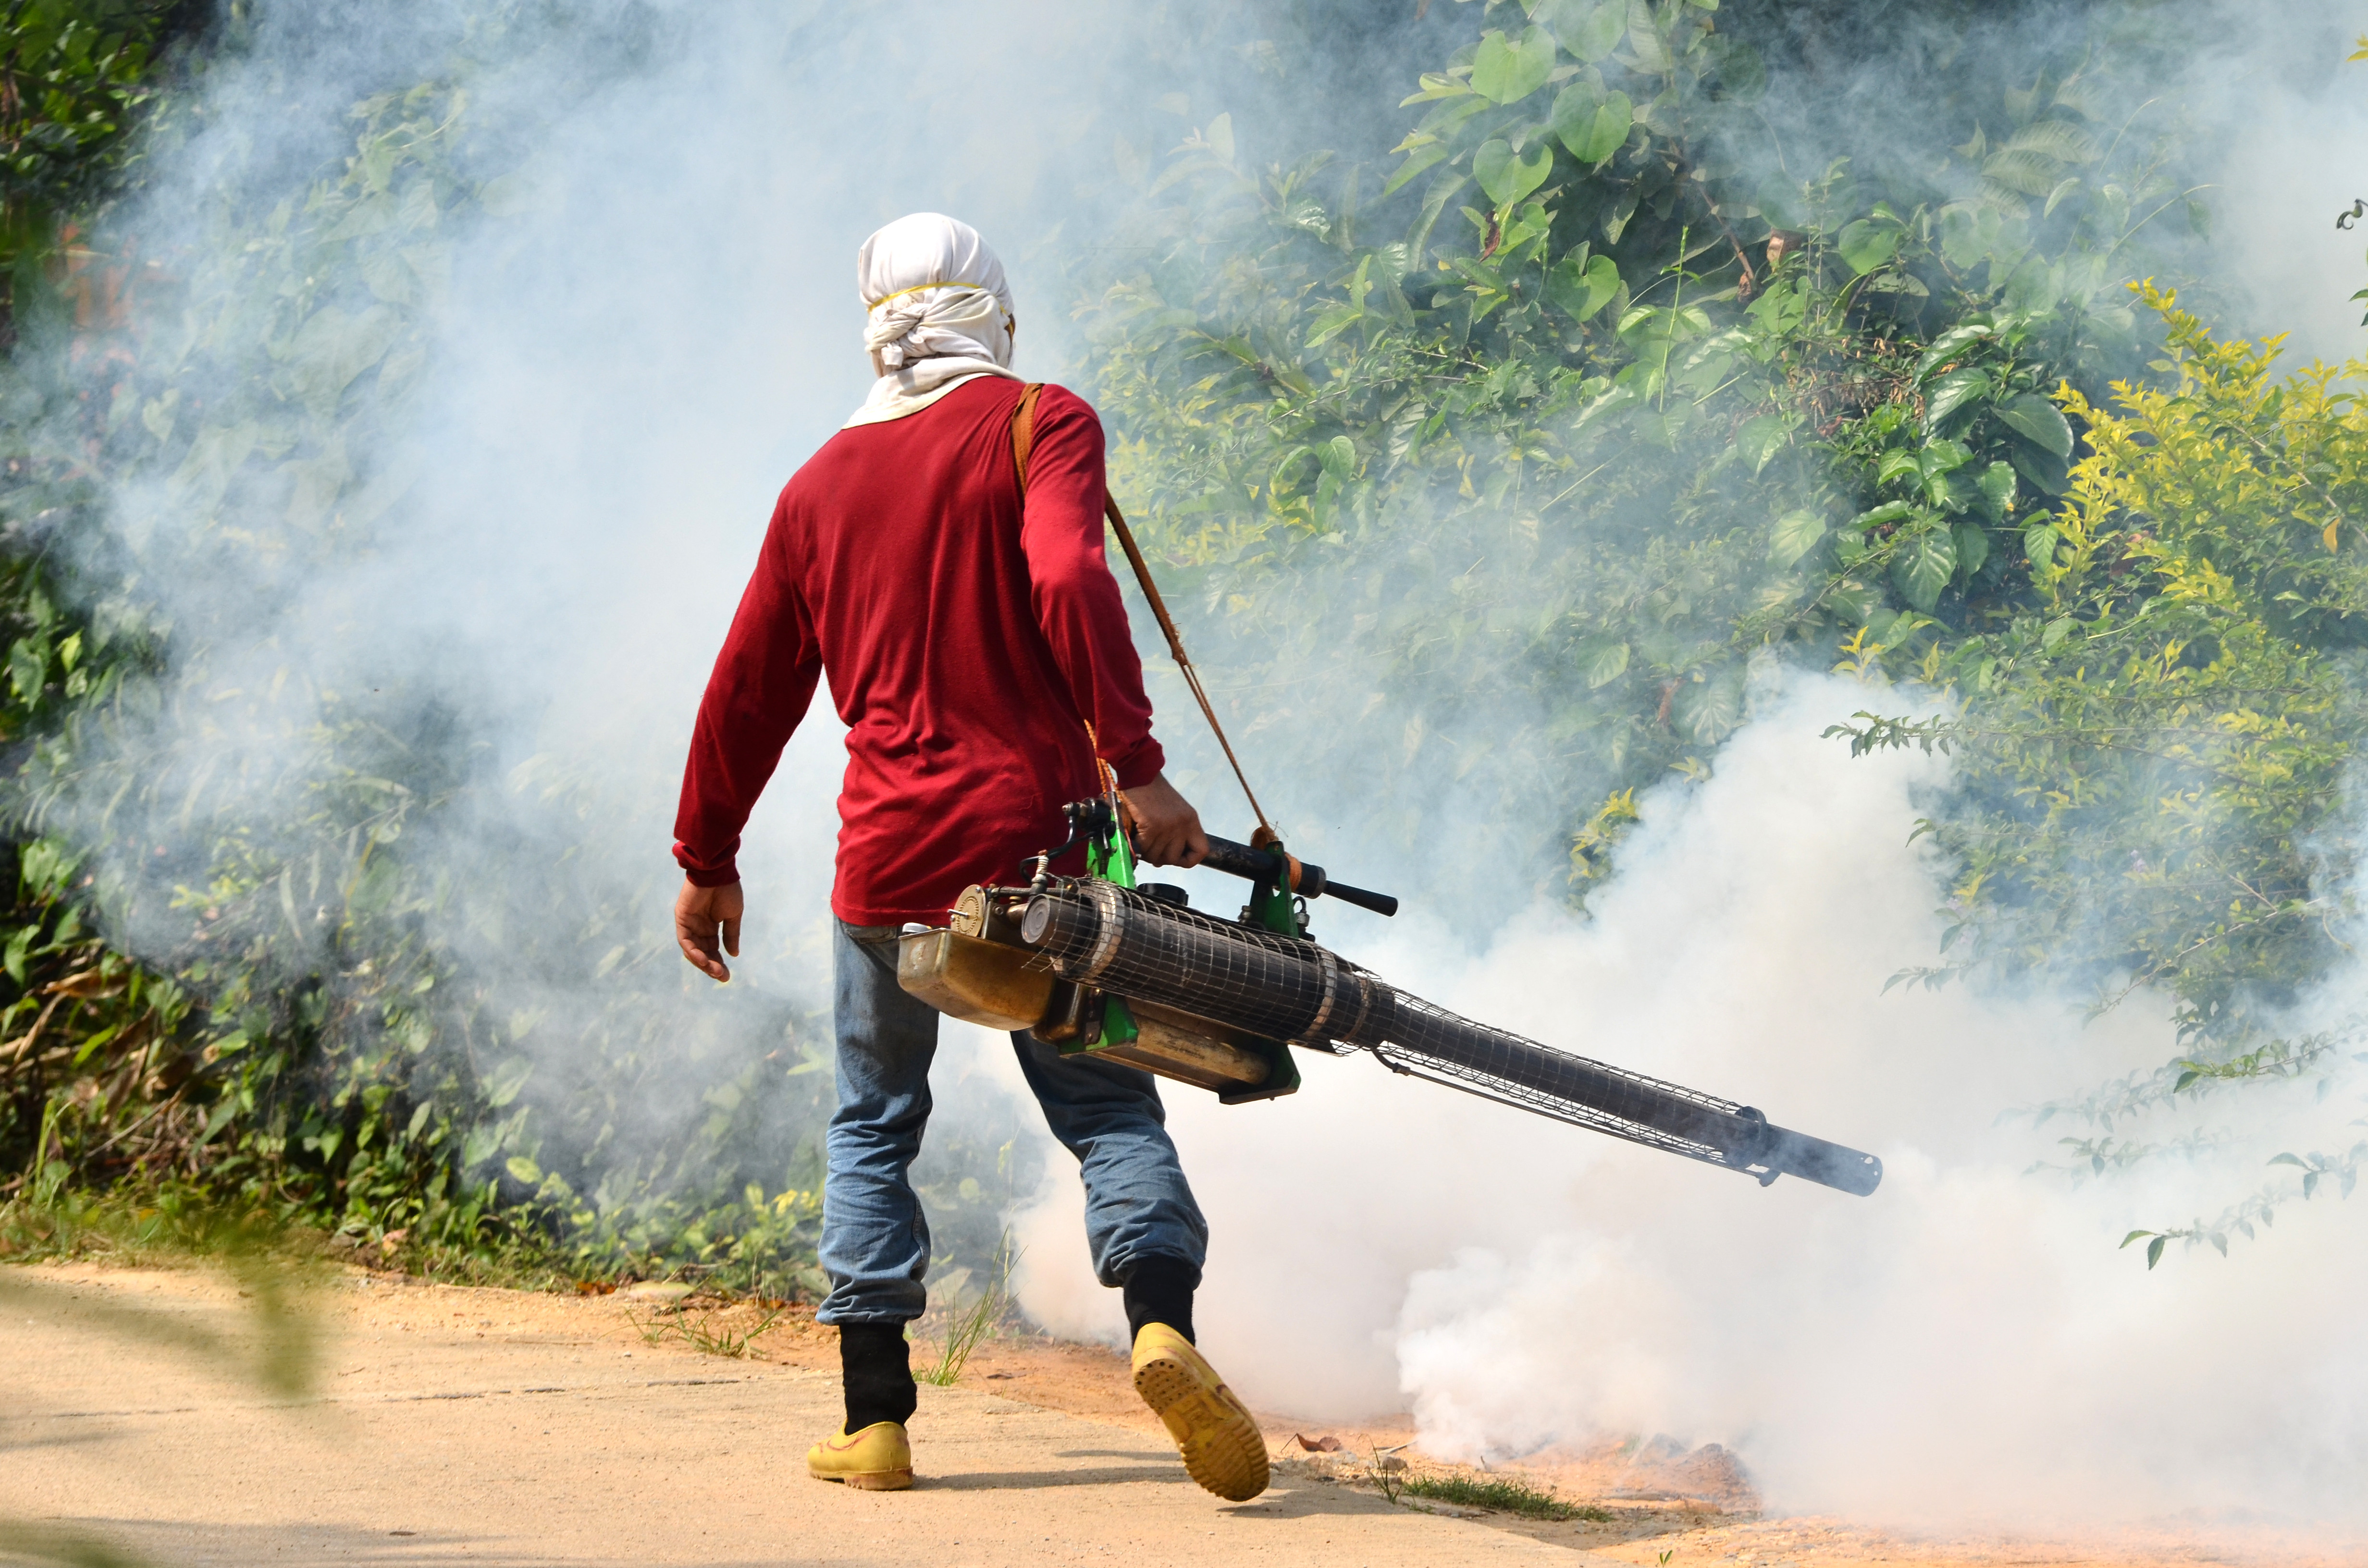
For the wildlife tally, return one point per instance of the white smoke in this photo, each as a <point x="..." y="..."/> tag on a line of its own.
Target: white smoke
<point x="631" y="362"/>
<point x="1968" y="1342"/>
<point x="654" y="325"/>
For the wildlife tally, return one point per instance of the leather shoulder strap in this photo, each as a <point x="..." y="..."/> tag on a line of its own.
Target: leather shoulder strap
<point x="1023" y="432"/>
<point x="1023" y="438"/>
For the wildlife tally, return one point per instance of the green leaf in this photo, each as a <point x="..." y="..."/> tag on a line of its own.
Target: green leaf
<point x="1588" y="29"/>
<point x="1925" y="563"/>
<point x="1943" y="457"/>
<point x="1867" y="244"/>
<point x="1973" y="547"/>
<point x="1592" y="123"/>
<point x="1617" y="217"/>
<point x="28" y="667"/>
<point x="18" y="946"/>
<point x="1951" y="491"/>
<point x="2044" y="470"/>
<point x="213" y="459"/>
<point x="2038" y="421"/>
<point x="1282" y="478"/>
<point x="1949" y="346"/>
<point x="332" y="347"/>
<point x="2060" y="140"/>
<point x="1889" y="512"/>
<point x="1899" y="465"/>
<point x="1333" y="323"/>
<point x="2133" y="1235"/>
<point x="1952" y="392"/>
<point x="1583" y="290"/>
<point x="1707" y="711"/>
<point x="1417" y="161"/>
<point x="1434" y="201"/>
<point x="1646" y="42"/>
<point x="503" y="1084"/>
<point x="2185" y="1079"/>
<point x="1605" y="663"/>
<point x="1507" y="178"/>
<point x="1796" y="534"/>
<point x="2153" y="1250"/>
<point x="2294" y="1160"/>
<point x="1762" y="439"/>
<point x="1998" y="490"/>
<point x="1742" y="74"/>
<point x="526" y="1170"/>
<point x="1506" y="71"/>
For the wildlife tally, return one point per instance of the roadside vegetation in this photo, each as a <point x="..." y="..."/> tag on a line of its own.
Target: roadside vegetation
<point x="1498" y="461"/>
<point x="1503" y="1495"/>
<point x="1502" y="466"/>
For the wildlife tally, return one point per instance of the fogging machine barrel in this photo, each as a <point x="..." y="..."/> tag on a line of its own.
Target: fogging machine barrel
<point x="1121" y="941"/>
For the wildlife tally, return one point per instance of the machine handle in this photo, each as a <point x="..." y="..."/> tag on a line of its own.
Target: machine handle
<point x="1379" y="903"/>
<point x="1258" y="864"/>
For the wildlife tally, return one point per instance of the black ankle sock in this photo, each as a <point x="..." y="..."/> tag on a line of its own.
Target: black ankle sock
<point x="1158" y="1288"/>
<point x="875" y="1367"/>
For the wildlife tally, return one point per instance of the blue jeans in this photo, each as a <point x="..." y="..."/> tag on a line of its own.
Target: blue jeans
<point x="875" y="1240"/>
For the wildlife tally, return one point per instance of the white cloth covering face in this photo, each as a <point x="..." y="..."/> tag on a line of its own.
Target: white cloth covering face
<point x="938" y="314"/>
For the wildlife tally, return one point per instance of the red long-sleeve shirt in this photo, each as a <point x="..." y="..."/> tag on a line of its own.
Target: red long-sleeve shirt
<point x="967" y="642"/>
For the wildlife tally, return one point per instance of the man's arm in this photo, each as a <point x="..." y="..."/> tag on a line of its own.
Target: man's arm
<point x="763" y="681"/>
<point x="1077" y="605"/>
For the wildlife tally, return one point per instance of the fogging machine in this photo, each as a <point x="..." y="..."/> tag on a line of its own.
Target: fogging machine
<point x="1097" y="964"/>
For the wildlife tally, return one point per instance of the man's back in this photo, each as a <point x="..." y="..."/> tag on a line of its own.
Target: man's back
<point x="967" y="645"/>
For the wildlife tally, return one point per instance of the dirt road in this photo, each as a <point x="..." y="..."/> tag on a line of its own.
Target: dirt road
<point x="499" y="1427"/>
<point x="489" y="1428"/>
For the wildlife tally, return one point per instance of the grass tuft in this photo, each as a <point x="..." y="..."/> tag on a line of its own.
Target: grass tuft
<point x="966" y="1327"/>
<point x="1502" y="1494"/>
<point x="703" y="1336"/>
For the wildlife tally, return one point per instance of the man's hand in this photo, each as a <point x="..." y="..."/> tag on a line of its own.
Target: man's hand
<point x="1166" y="828"/>
<point x="699" y="912"/>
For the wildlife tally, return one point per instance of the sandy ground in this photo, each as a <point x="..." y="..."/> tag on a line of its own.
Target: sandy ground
<point x="447" y="1425"/>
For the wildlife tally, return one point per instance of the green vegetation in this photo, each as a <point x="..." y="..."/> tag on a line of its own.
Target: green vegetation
<point x="73" y="73"/>
<point x="1508" y="461"/>
<point x="1536" y="437"/>
<point x="1505" y="1493"/>
<point x="2160" y="742"/>
<point x="297" y="1041"/>
<point x="1496" y="461"/>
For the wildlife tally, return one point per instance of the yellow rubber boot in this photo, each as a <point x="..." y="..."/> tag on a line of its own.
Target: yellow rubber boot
<point x="878" y="1459"/>
<point x="1222" y="1448"/>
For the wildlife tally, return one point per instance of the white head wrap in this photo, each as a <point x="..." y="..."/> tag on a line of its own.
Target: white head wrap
<point x="937" y="312"/>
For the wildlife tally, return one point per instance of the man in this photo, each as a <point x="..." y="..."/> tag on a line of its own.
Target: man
<point x="977" y="649"/>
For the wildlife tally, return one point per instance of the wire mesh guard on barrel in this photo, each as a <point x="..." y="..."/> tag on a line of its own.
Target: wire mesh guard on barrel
<point x="1130" y="945"/>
